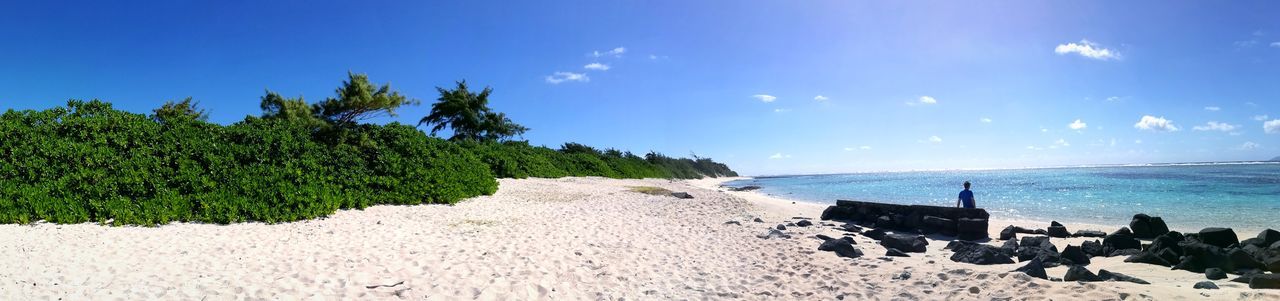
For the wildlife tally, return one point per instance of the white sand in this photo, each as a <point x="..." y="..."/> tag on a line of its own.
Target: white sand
<point x="562" y="239"/>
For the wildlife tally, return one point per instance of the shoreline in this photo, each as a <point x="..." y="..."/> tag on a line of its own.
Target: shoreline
<point x="536" y="239"/>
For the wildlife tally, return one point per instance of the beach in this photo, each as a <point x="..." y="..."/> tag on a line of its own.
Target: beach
<point x="542" y="239"/>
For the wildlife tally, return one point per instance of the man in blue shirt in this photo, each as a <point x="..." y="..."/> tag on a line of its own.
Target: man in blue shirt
<point x="966" y="197"/>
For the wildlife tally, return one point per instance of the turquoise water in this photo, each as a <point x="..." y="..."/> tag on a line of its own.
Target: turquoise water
<point x="1192" y="196"/>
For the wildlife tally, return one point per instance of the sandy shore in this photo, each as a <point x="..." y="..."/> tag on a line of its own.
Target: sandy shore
<point x="561" y="239"/>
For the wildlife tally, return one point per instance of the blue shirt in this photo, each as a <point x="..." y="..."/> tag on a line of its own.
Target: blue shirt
<point x="966" y="197"/>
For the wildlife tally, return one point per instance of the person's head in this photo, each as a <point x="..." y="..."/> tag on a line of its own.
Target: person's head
<point x="966" y="185"/>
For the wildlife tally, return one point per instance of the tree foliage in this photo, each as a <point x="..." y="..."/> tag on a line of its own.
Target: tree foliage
<point x="468" y="115"/>
<point x="185" y="109"/>
<point x="359" y="100"/>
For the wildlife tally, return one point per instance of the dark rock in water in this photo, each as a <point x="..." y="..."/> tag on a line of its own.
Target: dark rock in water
<point x="1034" y="269"/>
<point x="1148" y="258"/>
<point x="972" y="228"/>
<point x="1242" y="260"/>
<point x="1215" y="274"/>
<point x="744" y="188"/>
<point x="732" y="223"/>
<point x="1058" y="230"/>
<point x="1120" y="277"/>
<point x="1092" y="248"/>
<point x="895" y="253"/>
<point x="1121" y="239"/>
<point x="975" y="253"/>
<point x="1080" y="273"/>
<point x="1270" y="281"/>
<point x="774" y="233"/>
<point x="842" y="247"/>
<point x="1206" y="285"/>
<point x="781" y="227"/>
<point x="851" y="227"/>
<point x="1124" y="252"/>
<point x="906" y="243"/>
<point x="1008" y="233"/>
<point x="804" y="223"/>
<point x="1075" y="254"/>
<point x="682" y="195"/>
<point x="1089" y="233"/>
<point x="758" y="220"/>
<point x="875" y="234"/>
<point x="1220" y="237"/>
<point x="1147" y="227"/>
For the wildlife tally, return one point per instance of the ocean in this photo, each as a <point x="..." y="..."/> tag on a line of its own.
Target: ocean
<point x="1188" y="196"/>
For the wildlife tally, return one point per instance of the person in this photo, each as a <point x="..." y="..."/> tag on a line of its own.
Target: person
<point x="966" y="197"/>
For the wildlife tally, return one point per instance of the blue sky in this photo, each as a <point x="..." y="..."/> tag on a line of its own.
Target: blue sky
<point x="904" y="85"/>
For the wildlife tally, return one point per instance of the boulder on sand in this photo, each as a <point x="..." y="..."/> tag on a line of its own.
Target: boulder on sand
<point x="1034" y="269"/>
<point x="1092" y="248"/>
<point x="1080" y="273"/>
<point x="1215" y="274"/>
<point x="1208" y="285"/>
<point x="905" y="243"/>
<point x="875" y="234"/>
<point x="1119" y="240"/>
<point x="934" y="224"/>
<point x="1146" y="227"/>
<point x="1220" y="237"/>
<point x="1039" y="247"/>
<point x="804" y="223"/>
<point x="843" y="247"/>
<point x="681" y="195"/>
<point x="1075" y="255"/>
<point x="972" y="228"/>
<point x="1269" y="281"/>
<point x="975" y="253"/>
<point x="895" y="253"/>
<point x="1058" y="230"/>
<point x="1120" y="277"/>
<point x="1089" y="233"/>
<point x="1148" y="258"/>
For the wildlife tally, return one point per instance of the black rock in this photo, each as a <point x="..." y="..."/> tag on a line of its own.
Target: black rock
<point x="1203" y="256"/>
<point x="781" y="227"/>
<point x="682" y="195"/>
<point x="1242" y="260"/>
<point x="1246" y="277"/>
<point x="895" y="253"/>
<point x="1080" y="273"/>
<point x="1121" y="239"/>
<point x="1146" y="227"/>
<point x="1215" y="274"/>
<point x="1058" y="230"/>
<point x="906" y="243"/>
<point x="1075" y="254"/>
<point x="1089" y="233"/>
<point x="1268" y="237"/>
<point x="1124" y="252"/>
<point x="824" y="237"/>
<point x="1008" y="233"/>
<point x="875" y="234"/>
<point x="934" y="224"/>
<point x="1272" y="264"/>
<point x="1120" y="277"/>
<point x="733" y="223"/>
<point x="1148" y="258"/>
<point x="1040" y="232"/>
<point x="843" y="247"/>
<point x="1221" y="237"/>
<point x="1206" y="285"/>
<point x="1034" y="269"/>
<point x="1275" y="247"/>
<point x="851" y="227"/>
<point x="884" y="222"/>
<point x="1010" y="248"/>
<point x="1092" y="248"/>
<point x="1038" y="247"/>
<point x="774" y="233"/>
<point x="744" y="188"/>
<point x="972" y="228"/>
<point x="804" y="223"/>
<point x="1168" y="241"/>
<point x="758" y="220"/>
<point x="975" y="253"/>
<point x="1035" y="241"/>
<point x="1269" y="281"/>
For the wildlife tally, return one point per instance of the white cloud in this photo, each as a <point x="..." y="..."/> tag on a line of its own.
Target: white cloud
<point x="779" y="156"/>
<point x="614" y="52"/>
<point x="985" y="120"/>
<point x="1271" y="127"/>
<point x="560" y="77"/>
<point x="1212" y="109"/>
<point x="1215" y="126"/>
<point x="821" y="98"/>
<point x="935" y="139"/>
<point x="1077" y="125"/>
<point x="596" y="66"/>
<point x="1249" y="146"/>
<point x="781" y="110"/>
<point x="1153" y="123"/>
<point x="1032" y="147"/>
<point x="1244" y="44"/>
<point x="923" y="100"/>
<point x="1044" y="130"/>
<point x="1113" y="141"/>
<point x="864" y="147"/>
<point x="765" y="97"/>
<point x="1275" y="44"/>
<point x="1260" y="118"/>
<point x="1087" y="49"/>
<point x="1060" y="143"/>
<point x="1139" y="141"/>
<point x="1114" y="98"/>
